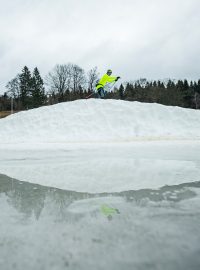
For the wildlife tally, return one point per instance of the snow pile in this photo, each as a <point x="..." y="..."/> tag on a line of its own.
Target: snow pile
<point x="100" y="120"/>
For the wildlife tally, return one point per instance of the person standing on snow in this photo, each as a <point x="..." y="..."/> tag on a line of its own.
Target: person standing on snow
<point x="103" y="81"/>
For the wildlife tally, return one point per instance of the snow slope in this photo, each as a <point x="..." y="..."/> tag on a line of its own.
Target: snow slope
<point x="100" y="120"/>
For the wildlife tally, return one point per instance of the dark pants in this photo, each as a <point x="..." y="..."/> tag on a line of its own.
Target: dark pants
<point x="101" y="93"/>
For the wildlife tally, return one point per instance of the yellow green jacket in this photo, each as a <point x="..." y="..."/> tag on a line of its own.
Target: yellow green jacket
<point x="104" y="80"/>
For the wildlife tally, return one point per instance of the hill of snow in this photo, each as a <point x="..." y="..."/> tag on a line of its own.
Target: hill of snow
<point x="100" y="120"/>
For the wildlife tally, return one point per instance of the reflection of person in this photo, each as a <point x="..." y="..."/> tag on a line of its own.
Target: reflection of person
<point x="103" y="81"/>
<point x="109" y="211"/>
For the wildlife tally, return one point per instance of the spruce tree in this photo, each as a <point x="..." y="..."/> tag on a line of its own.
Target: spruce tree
<point x="121" y="91"/>
<point x="130" y="92"/>
<point x="196" y="87"/>
<point x="188" y="94"/>
<point x="38" y="90"/>
<point x="25" y="87"/>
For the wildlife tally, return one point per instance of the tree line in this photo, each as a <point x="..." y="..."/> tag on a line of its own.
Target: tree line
<point x="64" y="83"/>
<point x="70" y="82"/>
<point x="173" y="93"/>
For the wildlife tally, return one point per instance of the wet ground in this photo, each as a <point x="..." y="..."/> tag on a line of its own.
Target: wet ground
<point x="48" y="228"/>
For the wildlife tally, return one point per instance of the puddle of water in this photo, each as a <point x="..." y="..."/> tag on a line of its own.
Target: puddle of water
<point x="48" y="228"/>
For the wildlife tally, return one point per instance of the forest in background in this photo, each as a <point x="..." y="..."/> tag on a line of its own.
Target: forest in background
<point x="70" y="82"/>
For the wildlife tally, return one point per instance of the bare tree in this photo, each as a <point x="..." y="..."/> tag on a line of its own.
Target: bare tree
<point x="78" y="77"/>
<point x="59" y="79"/>
<point x="63" y="78"/>
<point x="13" y="87"/>
<point x="13" y="92"/>
<point x="92" y="77"/>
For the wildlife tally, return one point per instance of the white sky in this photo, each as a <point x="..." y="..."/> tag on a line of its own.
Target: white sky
<point x="152" y="39"/>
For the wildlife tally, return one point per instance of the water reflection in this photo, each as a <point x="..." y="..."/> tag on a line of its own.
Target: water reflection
<point x="30" y="199"/>
<point x="60" y="229"/>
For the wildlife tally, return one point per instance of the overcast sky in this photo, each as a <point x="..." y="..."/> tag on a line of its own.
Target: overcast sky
<point x="152" y="39"/>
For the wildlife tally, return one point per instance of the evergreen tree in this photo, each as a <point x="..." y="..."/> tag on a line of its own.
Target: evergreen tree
<point x="38" y="91"/>
<point x="188" y="95"/>
<point x="130" y="92"/>
<point x="25" y="87"/>
<point x="155" y="84"/>
<point x="121" y="91"/>
<point x="196" y="87"/>
<point x="180" y="88"/>
<point x="170" y="85"/>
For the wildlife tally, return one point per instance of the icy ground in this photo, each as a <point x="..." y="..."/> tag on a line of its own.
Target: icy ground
<point x="100" y="185"/>
<point x="107" y="167"/>
<point x="154" y="227"/>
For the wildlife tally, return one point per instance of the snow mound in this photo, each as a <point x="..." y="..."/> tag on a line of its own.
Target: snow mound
<point x="100" y="120"/>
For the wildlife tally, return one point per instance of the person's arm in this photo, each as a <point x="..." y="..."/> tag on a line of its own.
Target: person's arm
<point x="110" y="78"/>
